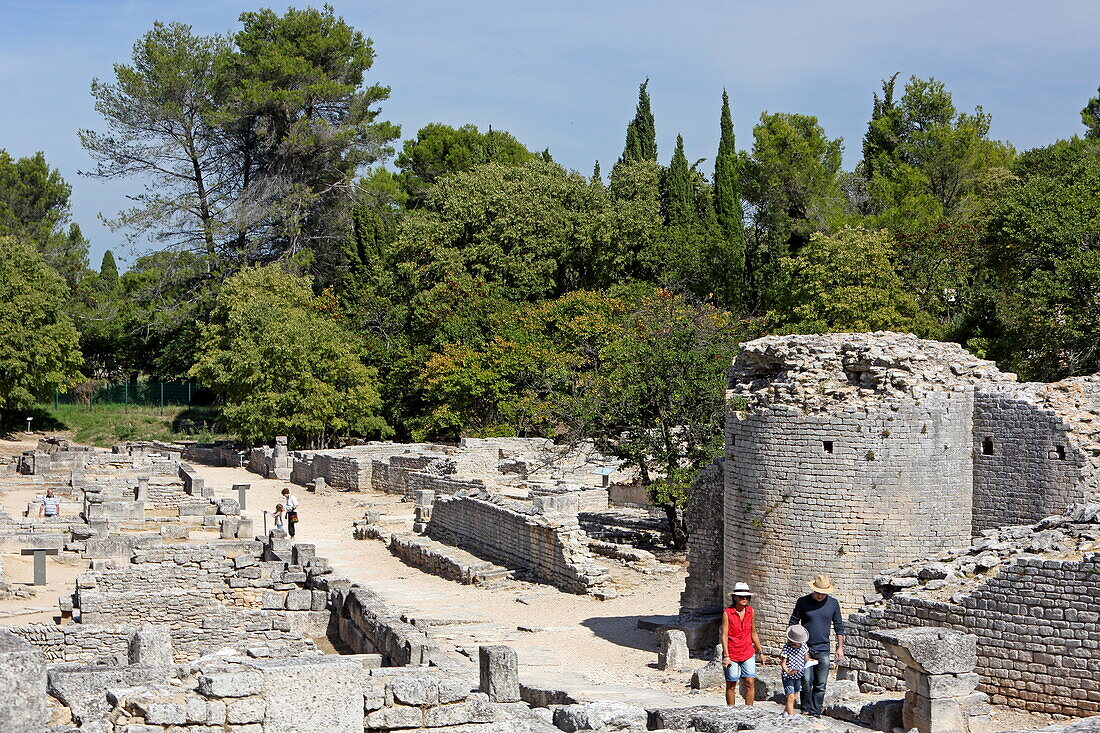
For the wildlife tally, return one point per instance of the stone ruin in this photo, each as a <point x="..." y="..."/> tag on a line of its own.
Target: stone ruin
<point x="879" y="459"/>
<point x="188" y="620"/>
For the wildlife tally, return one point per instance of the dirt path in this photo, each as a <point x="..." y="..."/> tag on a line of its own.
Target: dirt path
<point x="590" y="647"/>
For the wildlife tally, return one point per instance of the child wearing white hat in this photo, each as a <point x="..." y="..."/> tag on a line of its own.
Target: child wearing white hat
<point x="792" y="662"/>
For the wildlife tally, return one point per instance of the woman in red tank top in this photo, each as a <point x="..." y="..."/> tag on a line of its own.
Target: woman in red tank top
<point x="740" y="644"/>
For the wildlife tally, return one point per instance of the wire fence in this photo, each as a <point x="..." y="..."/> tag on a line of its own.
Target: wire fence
<point x="147" y="394"/>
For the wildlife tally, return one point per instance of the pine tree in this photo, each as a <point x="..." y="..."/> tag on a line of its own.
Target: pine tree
<point x="679" y="194"/>
<point x="730" y="259"/>
<point x="597" y="177"/>
<point x="641" y="133"/>
<point x="108" y="272"/>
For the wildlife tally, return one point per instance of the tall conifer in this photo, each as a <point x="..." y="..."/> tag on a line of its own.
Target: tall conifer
<point x="641" y="132"/>
<point x="108" y="271"/>
<point x="728" y="209"/>
<point x="679" y="194"/>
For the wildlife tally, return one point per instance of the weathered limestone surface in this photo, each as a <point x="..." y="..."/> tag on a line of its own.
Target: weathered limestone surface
<point x="1030" y="595"/>
<point x="853" y="453"/>
<point x="499" y="667"/>
<point x="22" y="686"/>
<point x="550" y="547"/>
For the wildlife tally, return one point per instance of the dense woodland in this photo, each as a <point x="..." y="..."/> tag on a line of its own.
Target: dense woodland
<point x="326" y="278"/>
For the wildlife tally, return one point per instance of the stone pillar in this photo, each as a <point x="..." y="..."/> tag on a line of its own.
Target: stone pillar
<point x="142" y="492"/>
<point x="672" y="650"/>
<point x="151" y="646"/>
<point x="499" y="673"/>
<point x="245" y="530"/>
<point x="939" y="674"/>
<point x="22" y="686"/>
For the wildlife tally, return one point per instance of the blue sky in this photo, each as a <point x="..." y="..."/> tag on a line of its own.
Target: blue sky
<point x="564" y="75"/>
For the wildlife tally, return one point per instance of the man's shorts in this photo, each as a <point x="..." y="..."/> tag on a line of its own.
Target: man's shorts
<point x="737" y="670"/>
<point x="792" y="685"/>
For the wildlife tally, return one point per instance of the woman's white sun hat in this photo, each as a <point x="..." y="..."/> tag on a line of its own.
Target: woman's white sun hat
<point x="741" y="589"/>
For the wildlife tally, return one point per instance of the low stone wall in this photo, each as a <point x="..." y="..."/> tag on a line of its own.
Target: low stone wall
<point x="1030" y="594"/>
<point x="589" y="498"/>
<point x="446" y="562"/>
<point x="213" y="455"/>
<point x="368" y="625"/>
<point x="441" y="485"/>
<point x="77" y="642"/>
<point x="549" y="547"/>
<point x="210" y="596"/>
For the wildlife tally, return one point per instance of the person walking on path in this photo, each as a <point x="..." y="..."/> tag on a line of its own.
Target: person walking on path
<point x="819" y="612"/>
<point x="740" y="644"/>
<point x="51" y="505"/>
<point x="291" y="511"/>
<point x="792" y="662"/>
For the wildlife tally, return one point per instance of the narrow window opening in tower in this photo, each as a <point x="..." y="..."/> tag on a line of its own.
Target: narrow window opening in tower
<point x="987" y="446"/>
<point x="827" y="445"/>
<point x="1061" y="451"/>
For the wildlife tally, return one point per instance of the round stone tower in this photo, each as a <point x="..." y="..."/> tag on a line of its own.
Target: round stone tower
<point x="846" y="455"/>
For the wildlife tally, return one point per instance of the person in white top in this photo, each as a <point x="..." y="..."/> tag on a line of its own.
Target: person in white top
<point x="291" y="511"/>
<point x="51" y="505"/>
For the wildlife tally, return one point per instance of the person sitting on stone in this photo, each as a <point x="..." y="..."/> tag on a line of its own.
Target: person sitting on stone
<point x="818" y="612"/>
<point x="740" y="644"/>
<point x="51" y="505"/>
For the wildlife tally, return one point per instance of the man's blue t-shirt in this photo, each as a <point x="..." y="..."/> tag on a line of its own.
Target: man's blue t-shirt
<point x="818" y="617"/>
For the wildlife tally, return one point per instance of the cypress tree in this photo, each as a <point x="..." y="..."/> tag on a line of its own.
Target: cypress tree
<point x="597" y="177"/>
<point x="728" y="210"/>
<point x="880" y="142"/>
<point x="641" y="132"/>
<point x="108" y="271"/>
<point x="679" y="193"/>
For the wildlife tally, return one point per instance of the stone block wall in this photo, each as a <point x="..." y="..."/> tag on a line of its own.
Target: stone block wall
<point x="441" y="485"/>
<point x="1030" y="461"/>
<point x="368" y="625"/>
<point x="589" y="498"/>
<point x="210" y="596"/>
<point x="548" y="547"/>
<point x="213" y="455"/>
<point x="849" y="493"/>
<point x="1034" y="612"/>
<point x="703" y="588"/>
<point x="77" y="642"/>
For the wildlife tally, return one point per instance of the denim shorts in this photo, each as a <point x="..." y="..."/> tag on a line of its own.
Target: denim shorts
<point x="737" y="670"/>
<point x="792" y="685"/>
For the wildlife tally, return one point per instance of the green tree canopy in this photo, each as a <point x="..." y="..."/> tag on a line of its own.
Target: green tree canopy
<point x="34" y="207"/>
<point x="440" y="149"/>
<point x="847" y="282"/>
<point x="283" y="366"/>
<point x="38" y="343"/>
<point x="926" y="161"/>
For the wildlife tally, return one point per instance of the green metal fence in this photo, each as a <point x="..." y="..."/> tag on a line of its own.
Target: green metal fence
<point x="149" y="394"/>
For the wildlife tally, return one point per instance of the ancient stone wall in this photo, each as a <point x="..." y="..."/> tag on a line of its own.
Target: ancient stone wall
<point x="703" y="589"/>
<point x="1030" y="594"/>
<point x="368" y="625"/>
<point x="441" y="485"/>
<point x="846" y="493"/>
<point x="77" y="642"/>
<point x="549" y="547"/>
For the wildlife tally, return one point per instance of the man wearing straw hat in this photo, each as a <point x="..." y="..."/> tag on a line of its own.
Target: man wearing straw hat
<point x="818" y="611"/>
